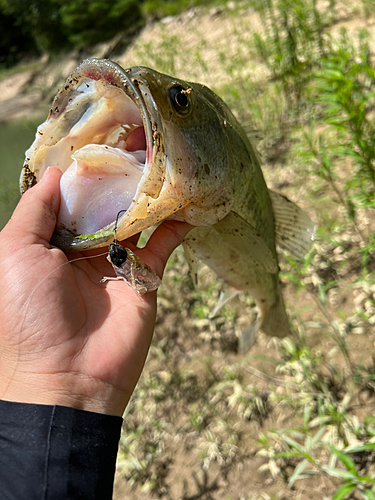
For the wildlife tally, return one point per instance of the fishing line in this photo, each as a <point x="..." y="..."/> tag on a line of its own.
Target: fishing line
<point x="54" y="270"/>
<point x="113" y="248"/>
<point x="69" y="262"/>
<point x="74" y="260"/>
<point x="83" y="258"/>
<point x="25" y="307"/>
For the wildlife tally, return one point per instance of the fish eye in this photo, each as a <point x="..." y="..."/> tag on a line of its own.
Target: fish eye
<point x="180" y="99"/>
<point x="118" y="254"/>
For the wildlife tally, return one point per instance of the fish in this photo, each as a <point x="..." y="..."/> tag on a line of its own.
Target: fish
<point x="156" y="147"/>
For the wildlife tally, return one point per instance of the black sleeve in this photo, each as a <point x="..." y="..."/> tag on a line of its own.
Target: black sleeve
<point x="56" y="453"/>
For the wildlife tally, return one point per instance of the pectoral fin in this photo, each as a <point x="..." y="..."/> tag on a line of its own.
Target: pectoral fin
<point x="294" y="229"/>
<point x="247" y="242"/>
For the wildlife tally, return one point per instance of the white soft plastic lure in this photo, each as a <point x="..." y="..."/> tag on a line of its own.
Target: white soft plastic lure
<point x="129" y="267"/>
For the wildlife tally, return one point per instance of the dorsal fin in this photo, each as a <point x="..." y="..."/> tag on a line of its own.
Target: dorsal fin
<point x="294" y="229"/>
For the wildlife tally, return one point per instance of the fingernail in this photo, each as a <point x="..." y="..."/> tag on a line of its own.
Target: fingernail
<point x="45" y="174"/>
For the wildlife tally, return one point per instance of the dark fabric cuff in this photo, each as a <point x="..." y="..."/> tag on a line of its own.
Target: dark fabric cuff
<point x="56" y="452"/>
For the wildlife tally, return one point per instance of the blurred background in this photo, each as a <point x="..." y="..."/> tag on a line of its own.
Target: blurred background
<point x="293" y="419"/>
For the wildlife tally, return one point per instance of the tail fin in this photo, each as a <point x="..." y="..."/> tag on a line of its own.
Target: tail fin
<point x="275" y="320"/>
<point x="272" y="321"/>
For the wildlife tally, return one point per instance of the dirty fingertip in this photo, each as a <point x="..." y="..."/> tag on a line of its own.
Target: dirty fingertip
<point x="50" y="173"/>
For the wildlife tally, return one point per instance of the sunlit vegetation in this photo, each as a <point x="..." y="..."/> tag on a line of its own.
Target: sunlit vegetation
<point x="38" y="26"/>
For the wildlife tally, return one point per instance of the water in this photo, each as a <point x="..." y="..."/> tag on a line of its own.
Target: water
<point x="15" y="138"/>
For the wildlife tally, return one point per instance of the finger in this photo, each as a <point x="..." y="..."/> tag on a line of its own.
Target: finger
<point x="166" y="238"/>
<point x="34" y="218"/>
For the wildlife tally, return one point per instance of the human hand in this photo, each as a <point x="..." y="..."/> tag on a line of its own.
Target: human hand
<point x="65" y="338"/>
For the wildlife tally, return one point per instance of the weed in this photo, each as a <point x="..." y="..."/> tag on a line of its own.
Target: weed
<point x="157" y="9"/>
<point x="345" y="88"/>
<point x="292" y="41"/>
<point x="9" y="192"/>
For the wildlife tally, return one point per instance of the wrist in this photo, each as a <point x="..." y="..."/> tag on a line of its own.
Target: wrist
<point x="73" y="390"/>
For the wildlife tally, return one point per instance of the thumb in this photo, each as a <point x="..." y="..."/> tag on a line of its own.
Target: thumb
<point x="34" y="218"/>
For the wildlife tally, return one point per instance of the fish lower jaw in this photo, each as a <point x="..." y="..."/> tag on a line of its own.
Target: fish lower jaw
<point x="145" y="212"/>
<point x="142" y="213"/>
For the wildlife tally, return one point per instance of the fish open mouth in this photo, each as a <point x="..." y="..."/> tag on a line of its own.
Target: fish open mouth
<point x="98" y="134"/>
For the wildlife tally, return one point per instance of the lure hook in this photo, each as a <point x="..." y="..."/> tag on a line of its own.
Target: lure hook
<point x="115" y="228"/>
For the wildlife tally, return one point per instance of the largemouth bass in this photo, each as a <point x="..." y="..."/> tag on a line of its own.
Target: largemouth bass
<point x="157" y="147"/>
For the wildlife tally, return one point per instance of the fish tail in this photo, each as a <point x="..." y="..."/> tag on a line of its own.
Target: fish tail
<point x="275" y="319"/>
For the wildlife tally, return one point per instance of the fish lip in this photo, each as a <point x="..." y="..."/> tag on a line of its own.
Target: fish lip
<point x="98" y="69"/>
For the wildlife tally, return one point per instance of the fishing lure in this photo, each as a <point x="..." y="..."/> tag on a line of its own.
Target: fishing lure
<point x="129" y="267"/>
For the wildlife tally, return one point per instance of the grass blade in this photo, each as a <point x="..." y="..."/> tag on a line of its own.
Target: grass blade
<point x="297" y="471"/>
<point x="344" y="490"/>
<point x="347" y="461"/>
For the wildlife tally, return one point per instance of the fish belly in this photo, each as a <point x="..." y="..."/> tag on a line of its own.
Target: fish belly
<point x="238" y="273"/>
<point x="242" y="274"/>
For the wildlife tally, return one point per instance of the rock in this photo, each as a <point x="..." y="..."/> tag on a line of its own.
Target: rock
<point x="358" y="330"/>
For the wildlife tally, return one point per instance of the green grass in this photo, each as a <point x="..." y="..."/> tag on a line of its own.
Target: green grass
<point x="157" y="9"/>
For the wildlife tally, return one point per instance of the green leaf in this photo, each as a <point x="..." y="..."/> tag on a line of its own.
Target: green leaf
<point x="342" y="474"/>
<point x="360" y="449"/>
<point x="316" y="438"/>
<point x="345" y="459"/>
<point x="343" y="491"/>
<point x="368" y="494"/>
<point x="297" y="472"/>
<point x="293" y="444"/>
<point x="322" y="295"/>
<point x="365" y="479"/>
<point x="369" y="71"/>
